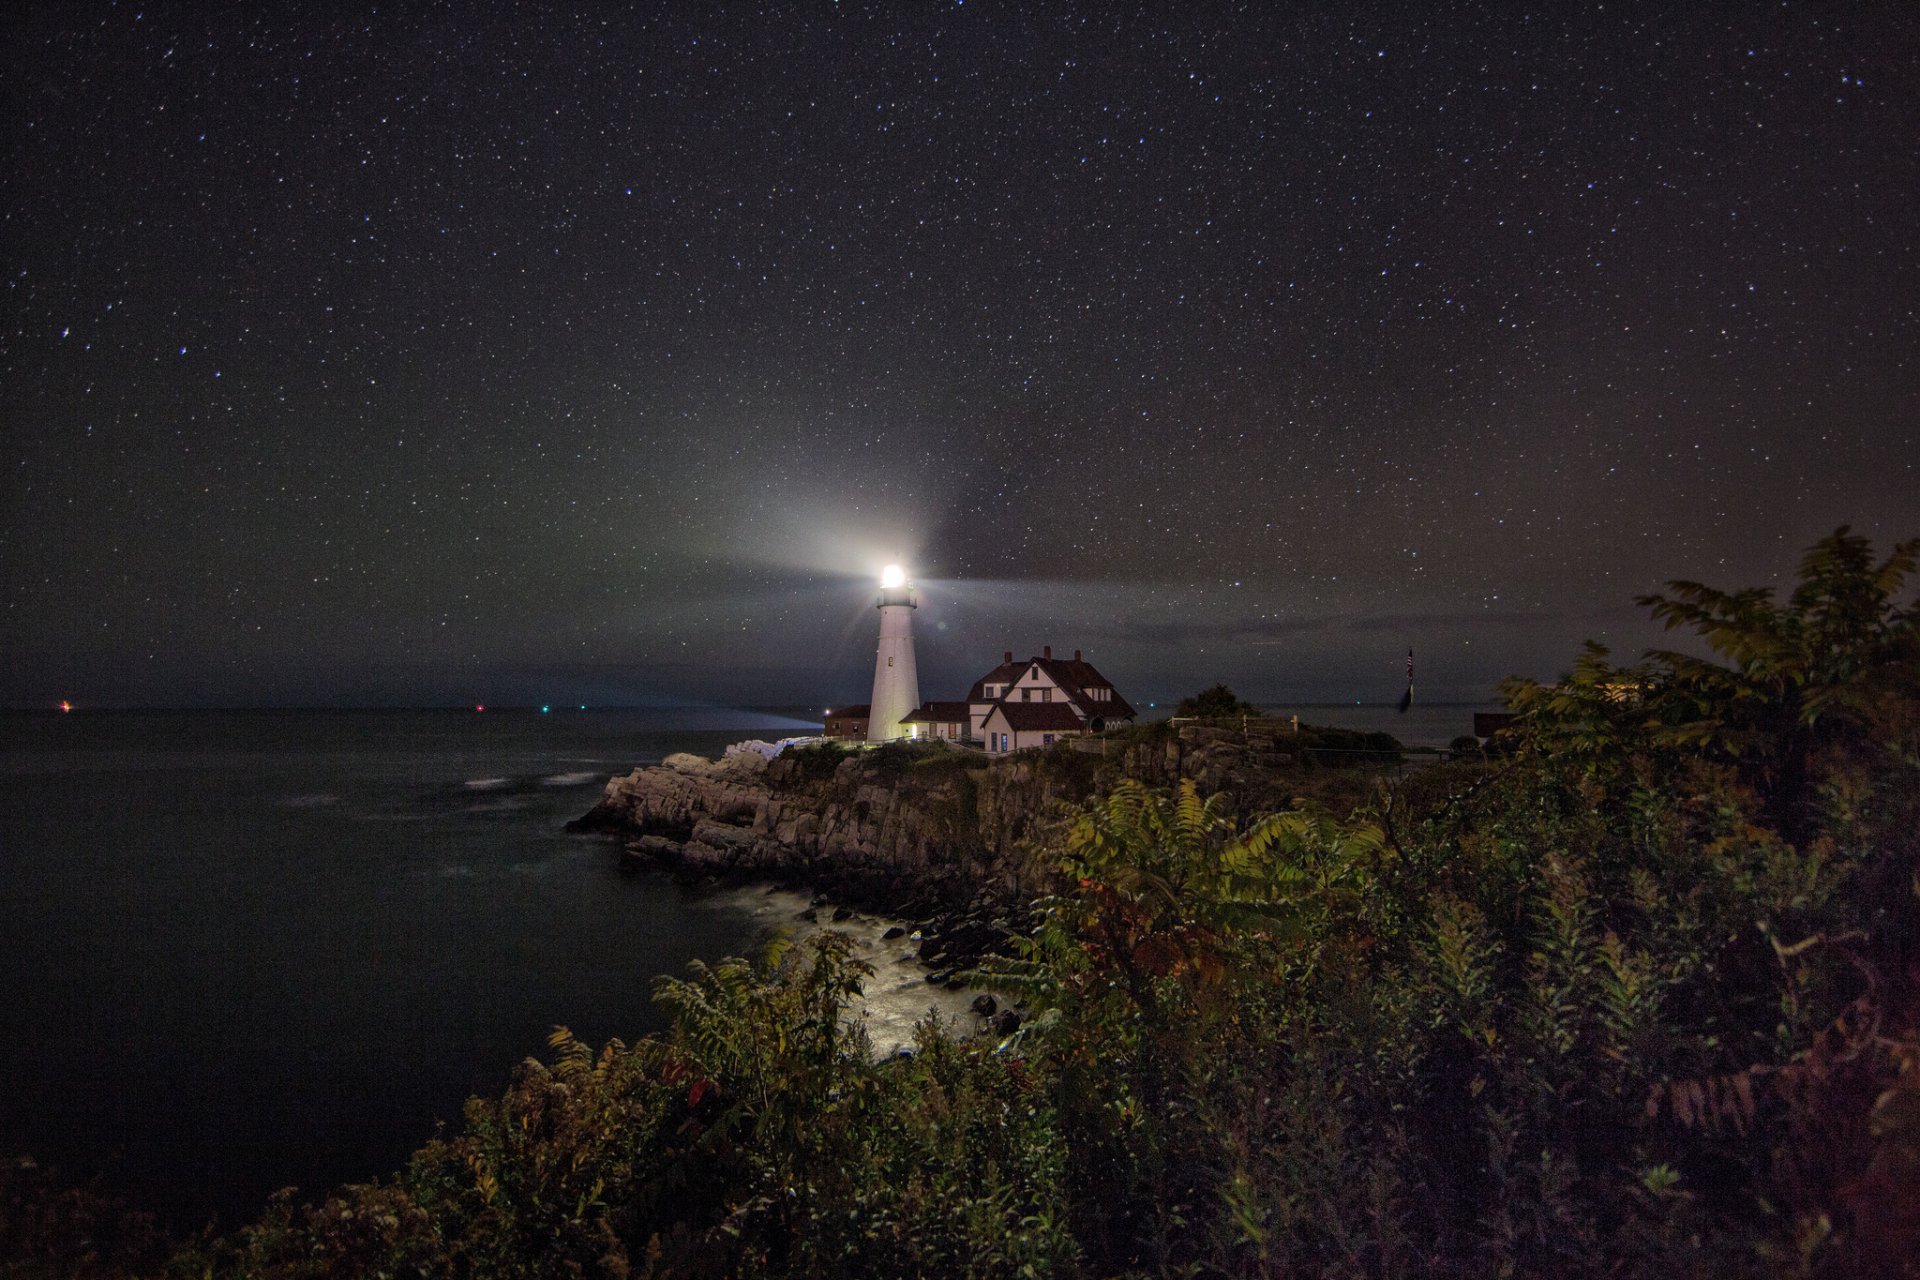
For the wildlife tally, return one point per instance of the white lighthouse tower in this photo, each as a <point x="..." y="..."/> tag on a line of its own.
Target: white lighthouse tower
<point x="896" y="681"/>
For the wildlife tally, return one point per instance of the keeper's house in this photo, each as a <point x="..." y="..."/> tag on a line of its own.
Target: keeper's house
<point x="1026" y="704"/>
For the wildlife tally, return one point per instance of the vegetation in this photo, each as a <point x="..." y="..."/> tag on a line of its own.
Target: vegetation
<point x="1216" y="701"/>
<point x="1339" y="748"/>
<point x="1641" y="998"/>
<point x="815" y="762"/>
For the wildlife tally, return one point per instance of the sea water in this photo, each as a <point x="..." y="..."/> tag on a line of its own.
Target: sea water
<point x="240" y="951"/>
<point x="247" y="950"/>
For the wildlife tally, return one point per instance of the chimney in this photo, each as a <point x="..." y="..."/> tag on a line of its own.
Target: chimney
<point x="1008" y="659"/>
<point x="1076" y="655"/>
<point x="1046" y="651"/>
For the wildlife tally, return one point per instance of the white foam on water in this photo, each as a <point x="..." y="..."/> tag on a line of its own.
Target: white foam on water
<point x="897" y="997"/>
<point x="497" y="806"/>
<point x="486" y="784"/>
<point x="570" y="779"/>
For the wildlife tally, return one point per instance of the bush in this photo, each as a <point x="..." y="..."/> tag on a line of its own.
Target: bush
<point x="1215" y="701"/>
<point x="1641" y="1000"/>
<point x="815" y="763"/>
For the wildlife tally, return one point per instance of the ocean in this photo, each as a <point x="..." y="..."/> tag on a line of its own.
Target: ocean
<point x="247" y="950"/>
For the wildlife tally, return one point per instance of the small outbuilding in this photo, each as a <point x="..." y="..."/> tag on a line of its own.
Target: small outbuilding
<point x="938" y="722"/>
<point x="848" y="722"/>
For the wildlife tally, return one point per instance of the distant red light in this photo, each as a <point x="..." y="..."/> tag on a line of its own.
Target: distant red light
<point x="479" y="706"/>
<point x="65" y="705"/>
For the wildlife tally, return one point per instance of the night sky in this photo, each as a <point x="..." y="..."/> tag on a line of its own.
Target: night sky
<point x="508" y="354"/>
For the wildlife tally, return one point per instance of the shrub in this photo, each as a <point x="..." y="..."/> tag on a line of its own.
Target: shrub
<point x="1215" y="701"/>
<point x="1642" y="999"/>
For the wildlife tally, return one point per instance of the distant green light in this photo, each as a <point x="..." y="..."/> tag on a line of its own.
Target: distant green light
<point x="544" y="709"/>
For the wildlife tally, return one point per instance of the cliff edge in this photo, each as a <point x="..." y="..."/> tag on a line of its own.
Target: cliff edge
<point x="910" y="828"/>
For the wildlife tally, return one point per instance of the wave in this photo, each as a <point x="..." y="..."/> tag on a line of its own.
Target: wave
<point x="580" y="778"/>
<point x="486" y="784"/>
<point x="497" y="806"/>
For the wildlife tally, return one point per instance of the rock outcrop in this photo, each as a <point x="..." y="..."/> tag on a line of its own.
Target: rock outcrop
<point x="901" y="833"/>
<point x="917" y="830"/>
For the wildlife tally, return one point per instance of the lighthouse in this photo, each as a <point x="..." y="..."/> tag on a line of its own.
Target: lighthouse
<point x="896" y="681"/>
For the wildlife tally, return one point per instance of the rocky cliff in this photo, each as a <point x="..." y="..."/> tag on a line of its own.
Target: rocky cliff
<point x="899" y="831"/>
<point x="911" y="828"/>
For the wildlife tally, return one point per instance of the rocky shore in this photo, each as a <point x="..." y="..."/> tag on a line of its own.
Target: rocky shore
<point x="942" y="842"/>
<point x="915" y="975"/>
<point x="955" y="842"/>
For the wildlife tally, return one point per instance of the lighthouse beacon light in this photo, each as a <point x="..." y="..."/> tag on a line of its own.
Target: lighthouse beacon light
<point x="896" y="681"/>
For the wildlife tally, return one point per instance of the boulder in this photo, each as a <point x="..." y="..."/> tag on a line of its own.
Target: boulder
<point x="919" y="843"/>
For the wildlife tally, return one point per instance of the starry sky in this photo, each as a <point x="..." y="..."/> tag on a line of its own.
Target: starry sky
<point x="428" y="355"/>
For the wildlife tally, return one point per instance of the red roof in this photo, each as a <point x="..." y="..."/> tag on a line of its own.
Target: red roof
<point x="937" y="713"/>
<point x="1074" y="678"/>
<point x="1005" y="673"/>
<point x="1036" y="716"/>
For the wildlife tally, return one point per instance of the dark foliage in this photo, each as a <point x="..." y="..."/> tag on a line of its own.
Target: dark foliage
<point x="1640" y="998"/>
<point x="1215" y="701"/>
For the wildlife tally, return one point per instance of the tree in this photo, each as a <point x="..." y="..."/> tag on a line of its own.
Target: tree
<point x="1801" y="689"/>
<point x="1215" y="701"/>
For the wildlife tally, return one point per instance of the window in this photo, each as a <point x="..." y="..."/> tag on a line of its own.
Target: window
<point x="1046" y="739"/>
<point x="889" y="659"/>
<point x="1046" y="695"/>
<point x="1026" y="695"/>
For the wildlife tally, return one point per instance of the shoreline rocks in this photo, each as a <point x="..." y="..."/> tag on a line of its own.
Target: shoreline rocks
<point x="899" y="992"/>
<point x="946" y="837"/>
<point x="907" y="845"/>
